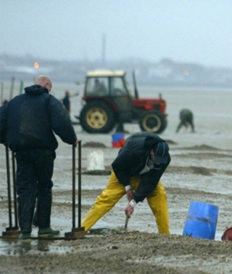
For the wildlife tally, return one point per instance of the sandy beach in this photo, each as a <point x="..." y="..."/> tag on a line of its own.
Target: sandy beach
<point x="200" y="170"/>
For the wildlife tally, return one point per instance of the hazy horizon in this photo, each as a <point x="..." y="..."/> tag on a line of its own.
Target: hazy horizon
<point x="184" y="30"/>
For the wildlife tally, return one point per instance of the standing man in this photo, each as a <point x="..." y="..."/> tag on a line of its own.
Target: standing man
<point x="66" y="101"/>
<point x="27" y="124"/>
<point x="136" y="172"/>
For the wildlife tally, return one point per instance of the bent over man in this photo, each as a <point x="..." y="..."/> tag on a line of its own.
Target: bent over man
<point x="136" y="172"/>
<point x="27" y="124"/>
<point x="186" y="120"/>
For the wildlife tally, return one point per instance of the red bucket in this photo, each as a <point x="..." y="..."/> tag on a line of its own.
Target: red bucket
<point x="118" y="140"/>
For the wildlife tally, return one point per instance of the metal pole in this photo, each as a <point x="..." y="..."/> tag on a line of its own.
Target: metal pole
<point x="73" y="186"/>
<point x="21" y="87"/>
<point x="12" y="88"/>
<point x="8" y="186"/>
<point x="80" y="231"/>
<point x="79" y="184"/>
<point x="14" y="190"/>
<point x="2" y="90"/>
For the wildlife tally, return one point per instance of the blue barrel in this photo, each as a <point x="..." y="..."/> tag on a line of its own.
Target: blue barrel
<point x="201" y="220"/>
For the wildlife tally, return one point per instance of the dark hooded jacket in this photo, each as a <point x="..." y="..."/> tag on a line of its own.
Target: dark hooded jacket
<point x="132" y="159"/>
<point x="31" y="119"/>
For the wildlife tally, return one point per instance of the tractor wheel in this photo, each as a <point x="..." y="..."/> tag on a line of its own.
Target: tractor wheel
<point x="97" y="117"/>
<point x="152" y="121"/>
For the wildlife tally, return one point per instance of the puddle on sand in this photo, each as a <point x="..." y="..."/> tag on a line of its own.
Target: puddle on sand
<point x="21" y="247"/>
<point x="33" y="247"/>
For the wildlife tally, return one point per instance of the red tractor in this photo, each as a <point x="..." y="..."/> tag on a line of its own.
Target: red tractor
<point x="108" y="102"/>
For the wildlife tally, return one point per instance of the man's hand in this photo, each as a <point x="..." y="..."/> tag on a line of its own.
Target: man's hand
<point x="129" y="211"/>
<point x="129" y="194"/>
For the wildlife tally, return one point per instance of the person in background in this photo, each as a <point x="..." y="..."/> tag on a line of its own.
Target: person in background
<point x="99" y="88"/>
<point x="186" y="120"/>
<point x="27" y="124"/>
<point x="5" y="102"/>
<point x="136" y="172"/>
<point x="66" y="101"/>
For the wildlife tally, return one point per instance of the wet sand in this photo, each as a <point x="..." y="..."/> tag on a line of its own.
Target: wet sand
<point x="200" y="170"/>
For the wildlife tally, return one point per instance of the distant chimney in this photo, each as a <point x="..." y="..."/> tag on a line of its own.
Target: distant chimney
<point x="103" y="49"/>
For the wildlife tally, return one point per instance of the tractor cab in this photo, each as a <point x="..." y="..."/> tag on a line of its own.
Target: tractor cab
<point x="111" y="88"/>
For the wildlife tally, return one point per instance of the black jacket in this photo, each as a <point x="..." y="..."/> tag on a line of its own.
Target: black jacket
<point x="31" y="119"/>
<point x="132" y="159"/>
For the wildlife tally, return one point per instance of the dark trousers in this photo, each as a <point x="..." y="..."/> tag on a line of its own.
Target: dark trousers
<point x="34" y="187"/>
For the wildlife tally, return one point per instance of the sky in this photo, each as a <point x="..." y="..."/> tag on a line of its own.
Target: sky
<point x="198" y="31"/>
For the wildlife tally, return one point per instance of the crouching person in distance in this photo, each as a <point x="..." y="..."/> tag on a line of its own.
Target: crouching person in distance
<point x="136" y="172"/>
<point x="186" y="120"/>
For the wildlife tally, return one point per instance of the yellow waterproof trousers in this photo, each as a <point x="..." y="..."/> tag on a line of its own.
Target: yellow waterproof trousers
<point x="114" y="191"/>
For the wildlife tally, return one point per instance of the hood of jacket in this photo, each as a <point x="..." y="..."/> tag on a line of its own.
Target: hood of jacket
<point x="35" y="90"/>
